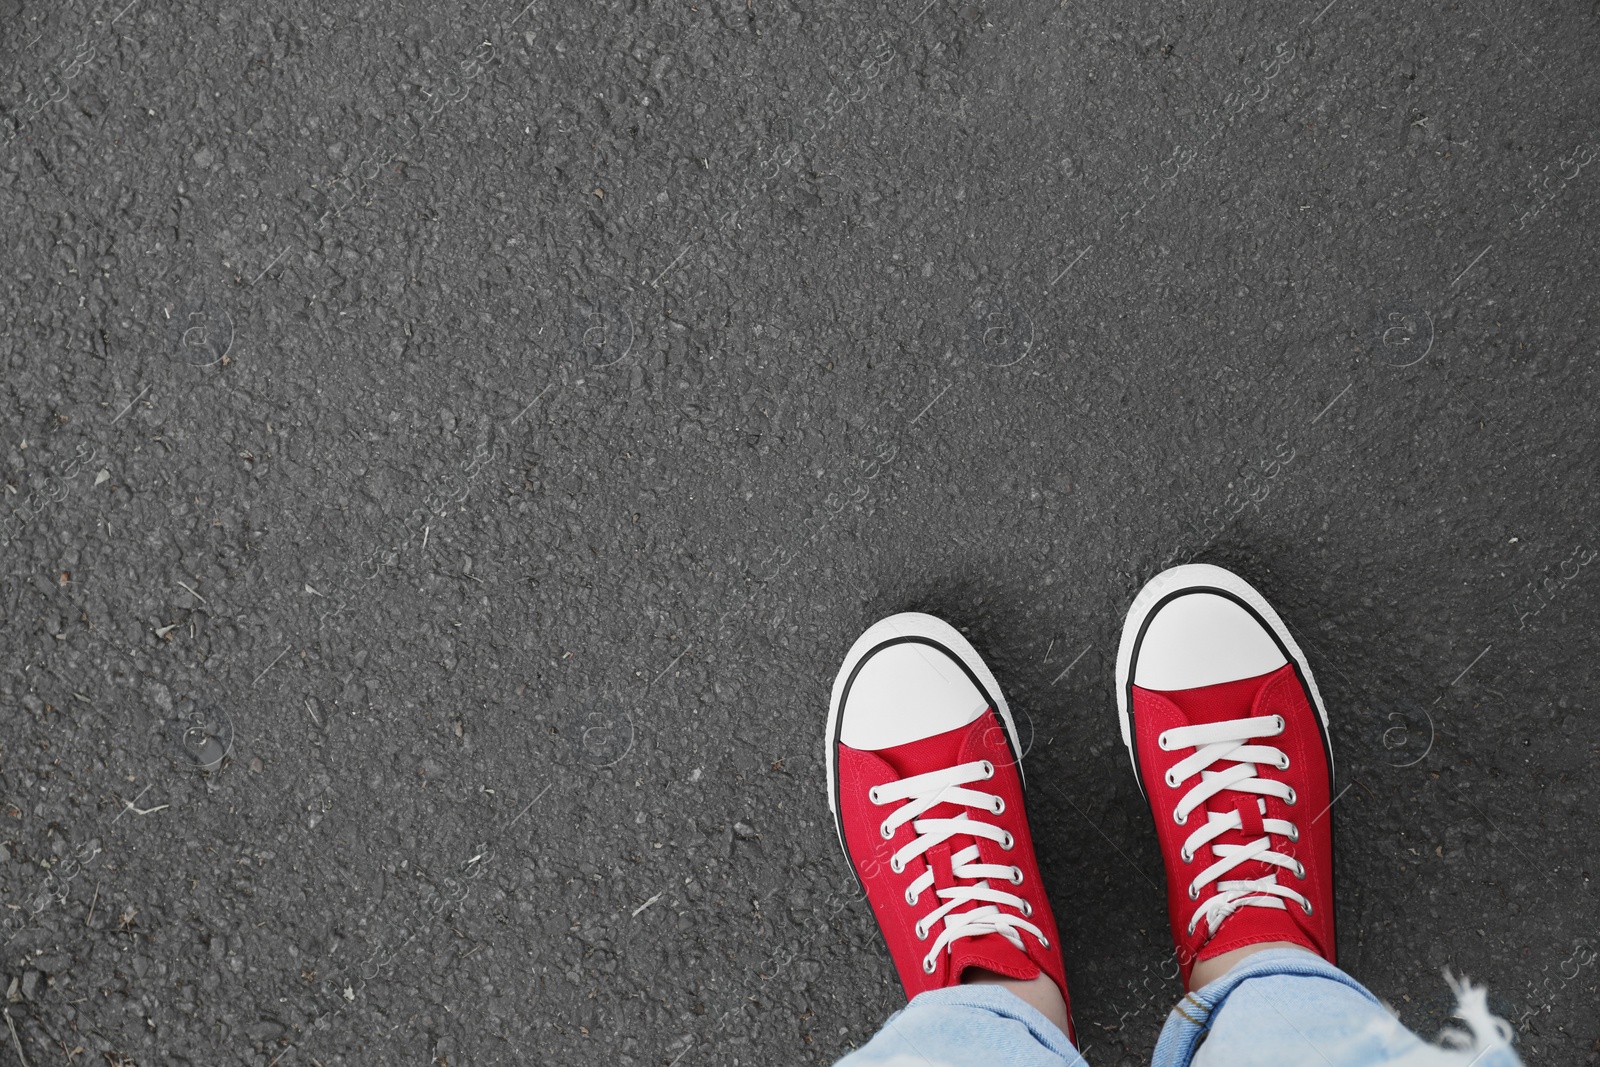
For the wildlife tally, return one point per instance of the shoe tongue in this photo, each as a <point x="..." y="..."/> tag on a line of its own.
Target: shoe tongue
<point x="991" y="952"/>
<point x="1264" y="924"/>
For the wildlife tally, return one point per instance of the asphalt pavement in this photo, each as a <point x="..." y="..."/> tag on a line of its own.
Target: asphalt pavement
<point x="446" y="449"/>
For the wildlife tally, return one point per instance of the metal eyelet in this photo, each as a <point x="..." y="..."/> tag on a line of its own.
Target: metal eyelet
<point x="896" y="866"/>
<point x="1008" y="842"/>
<point x="1285" y="764"/>
<point x="1179" y="819"/>
<point x="1172" y="780"/>
<point x="1016" y="876"/>
<point x="888" y="834"/>
<point x="1027" y="910"/>
<point x="872" y="795"/>
<point x="1292" y="797"/>
<point x="928" y="966"/>
<point x="1299" y="870"/>
<point x="1194" y="893"/>
<point x="1161" y="742"/>
<point x="911" y="898"/>
<point x="1280" y="723"/>
<point x="999" y="806"/>
<point x="1294" y="832"/>
<point x="1185" y="855"/>
<point x="988" y="769"/>
<point x="1045" y="941"/>
<point x="922" y="932"/>
<point x="1307" y="906"/>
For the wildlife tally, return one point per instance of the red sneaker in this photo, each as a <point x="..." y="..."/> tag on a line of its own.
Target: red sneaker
<point x="926" y="790"/>
<point x="1229" y="741"/>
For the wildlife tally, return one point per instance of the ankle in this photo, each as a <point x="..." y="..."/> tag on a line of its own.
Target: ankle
<point x="1039" y="993"/>
<point x="1209" y="970"/>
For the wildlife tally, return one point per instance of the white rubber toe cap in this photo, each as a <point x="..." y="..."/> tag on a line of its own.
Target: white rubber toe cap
<point x="1200" y="639"/>
<point x="906" y="692"/>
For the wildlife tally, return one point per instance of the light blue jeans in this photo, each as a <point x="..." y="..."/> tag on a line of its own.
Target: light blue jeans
<point x="1279" y="1008"/>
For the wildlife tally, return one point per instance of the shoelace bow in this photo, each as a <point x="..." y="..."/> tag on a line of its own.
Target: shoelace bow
<point x="1225" y="742"/>
<point x="923" y="792"/>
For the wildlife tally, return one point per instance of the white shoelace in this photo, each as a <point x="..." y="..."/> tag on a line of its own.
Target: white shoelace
<point x="1224" y="742"/>
<point x="923" y="792"/>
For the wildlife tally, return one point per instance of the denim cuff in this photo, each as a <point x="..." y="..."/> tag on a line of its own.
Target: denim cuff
<point x="1191" y="1018"/>
<point x="1001" y="1001"/>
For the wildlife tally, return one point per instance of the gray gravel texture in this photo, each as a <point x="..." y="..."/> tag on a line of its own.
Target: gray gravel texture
<point x="447" y="451"/>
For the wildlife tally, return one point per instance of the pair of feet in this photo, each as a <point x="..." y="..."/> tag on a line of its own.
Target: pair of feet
<point x="1229" y="743"/>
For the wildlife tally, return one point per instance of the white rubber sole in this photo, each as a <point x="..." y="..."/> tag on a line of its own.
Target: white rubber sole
<point x="1203" y="576"/>
<point x="912" y="624"/>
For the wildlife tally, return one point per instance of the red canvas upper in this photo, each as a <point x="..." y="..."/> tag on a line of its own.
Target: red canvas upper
<point x="859" y="771"/>
<point x="1278" y="692"/>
